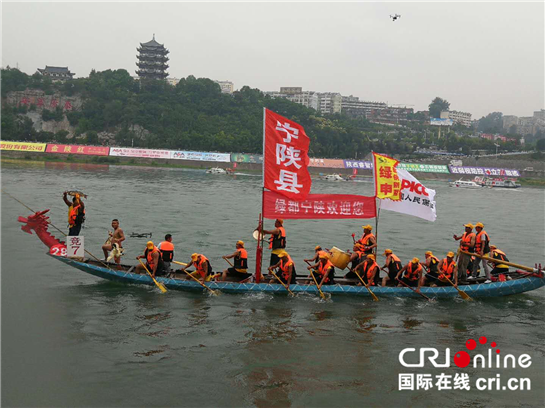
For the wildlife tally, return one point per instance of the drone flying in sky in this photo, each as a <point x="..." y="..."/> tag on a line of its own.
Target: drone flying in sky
<point x="395" y="17"/>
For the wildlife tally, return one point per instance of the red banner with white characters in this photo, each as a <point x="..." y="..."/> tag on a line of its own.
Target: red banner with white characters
<point x="319" y="206"/>
<point x="75" y="149"/>
<point x="285" y="158"/>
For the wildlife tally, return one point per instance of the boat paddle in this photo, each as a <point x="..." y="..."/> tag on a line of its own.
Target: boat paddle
<point x="375" y="298"/>
<point x="195" y="279"/>
<point x="414" y="290"/>
<point x="314" y="279"/>
<point x="499" y="261"/>
<point x="464" y="295"/>
<point x="159" y="285"/>
<point x="227" y="260"/>
<point x="283" y="284"/>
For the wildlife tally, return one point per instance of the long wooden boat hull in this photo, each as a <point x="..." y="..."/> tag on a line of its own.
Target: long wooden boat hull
<point x="495" y="289"/>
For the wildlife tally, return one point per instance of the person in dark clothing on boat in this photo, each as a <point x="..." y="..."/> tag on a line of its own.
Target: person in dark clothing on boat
<point x="286" y="268"/>
<point x="167" y="251"/>
<point x="499" y="268"/>
<point x="432" y="264"/>
<point x="393" y="263"/>
<point x="323" y="271"/>
<point x="239" y="271"/>
<point x="76" y="214"/>
<point x="356" y="257"/>
<point x="277" y="241"/>
<point x="154" y="261"/>
<point x="467" y="244"/>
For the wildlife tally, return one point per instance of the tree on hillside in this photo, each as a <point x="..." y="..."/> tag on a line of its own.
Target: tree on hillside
<point x="437" y="106"/>
<point x="540" y="145"/>
<point x="491" y="123"/>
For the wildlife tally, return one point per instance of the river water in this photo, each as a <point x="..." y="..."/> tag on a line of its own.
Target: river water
<point x="70" y="339"/>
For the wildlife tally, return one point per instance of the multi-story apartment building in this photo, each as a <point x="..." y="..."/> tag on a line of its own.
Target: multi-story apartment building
<point x="352" y="106"/>
<point x="226" y="86"/>
<point x="526" y="125"/>
<point x="330" y="102"/>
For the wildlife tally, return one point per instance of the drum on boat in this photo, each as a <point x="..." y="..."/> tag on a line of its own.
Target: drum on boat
<point x="339" y="258"/>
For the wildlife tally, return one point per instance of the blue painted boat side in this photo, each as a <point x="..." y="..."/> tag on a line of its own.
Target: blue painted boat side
<point x="475" y="291"/>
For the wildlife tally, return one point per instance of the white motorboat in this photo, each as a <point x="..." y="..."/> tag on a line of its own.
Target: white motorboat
<point x="216" y="170"/>
<point x="465" y="184"/>
<point x="333" y="177"/>
<point x="501" y="183"/>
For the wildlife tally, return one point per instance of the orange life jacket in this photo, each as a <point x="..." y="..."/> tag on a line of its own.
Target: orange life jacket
<point x="149" y="256"/>
<point x="410" y="274"/>
<point x="497" y="254"/>
<point x="465" y="244"/>
<point x="368" y="271"/>
<point x="73" y="213"/>
<point x="448" y="269"/>
<point x="199" y="265"/>
<point x="279" y="240"/>
<point x="394" y="265"/>
<point x="324" y="268"/>
<point x="167" y="249"/>
<point x="479" y="239"/>
<point x="365" y="240"/>
<point x="284" y="267"/>
<point x="241" y="259"/>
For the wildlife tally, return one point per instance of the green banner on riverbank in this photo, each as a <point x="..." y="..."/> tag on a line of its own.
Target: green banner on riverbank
<point x="425" y="168"/>
<point x="246" y="158"/>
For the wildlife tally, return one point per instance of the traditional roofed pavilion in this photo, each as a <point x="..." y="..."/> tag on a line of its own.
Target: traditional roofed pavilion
<point x="152" y="60"/>
<point x="56" y="73"/>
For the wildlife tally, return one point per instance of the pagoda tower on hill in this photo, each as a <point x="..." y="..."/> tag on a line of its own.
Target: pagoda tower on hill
<point x="152" y="60"/>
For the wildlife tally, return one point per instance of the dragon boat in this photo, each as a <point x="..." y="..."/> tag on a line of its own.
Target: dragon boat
<point x="520" y="281"/>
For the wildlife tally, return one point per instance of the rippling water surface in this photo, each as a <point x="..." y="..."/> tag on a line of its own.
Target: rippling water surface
<point x="70" y="339"/>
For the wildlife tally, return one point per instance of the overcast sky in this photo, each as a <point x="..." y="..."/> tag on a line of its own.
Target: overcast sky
<point x="481" y="57"/>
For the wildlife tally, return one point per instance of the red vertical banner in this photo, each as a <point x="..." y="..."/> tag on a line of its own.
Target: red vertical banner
<point x="285" y="157"/>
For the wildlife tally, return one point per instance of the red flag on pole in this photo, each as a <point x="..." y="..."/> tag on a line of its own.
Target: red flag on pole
<point x="285" y="157"/>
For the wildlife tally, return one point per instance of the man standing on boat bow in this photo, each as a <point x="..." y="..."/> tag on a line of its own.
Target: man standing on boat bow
<point x="467" y="243"/>
<point x="277" y="241"/>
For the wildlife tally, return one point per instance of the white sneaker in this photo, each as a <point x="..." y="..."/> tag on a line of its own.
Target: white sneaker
<point x="488" y="281"/>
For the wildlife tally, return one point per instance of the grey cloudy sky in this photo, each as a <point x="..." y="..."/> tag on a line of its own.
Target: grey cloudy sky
<point x="481" y="57"/>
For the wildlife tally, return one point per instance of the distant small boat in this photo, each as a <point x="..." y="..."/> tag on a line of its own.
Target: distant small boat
<point x="465" y="184"/>
<point x="501" y="183"/>
<point x="216" y="170"/>
<point x="334" y="177"/>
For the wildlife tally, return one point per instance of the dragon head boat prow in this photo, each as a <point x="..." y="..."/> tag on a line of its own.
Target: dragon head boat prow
<point x="39" y="222"/>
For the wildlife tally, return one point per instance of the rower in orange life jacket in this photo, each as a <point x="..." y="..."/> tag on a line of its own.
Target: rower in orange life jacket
<point x="239" y="271"/>
<point x="467" y="243"/>
<point x="323" y="271"/>
<point x="167" y="250"/>
<point x="447" y="268"/>
<point x="482" y="247"/>
<point x="287" y="269"/>
<point x="368" y="240"/>
<point x="393" y="263"/>
<point x="495" y="253"/>
<point x="76" y="214"/>
<point x="432" y="264"/>
<point x="356" y="257"/>
<point x="413" y="274"/>
<point x="370" y="270"/>
<point x="154" y="261"/>
<point x="203" y="269"/>
<point x="277" y="240"/>
<point x="317" y="252"/>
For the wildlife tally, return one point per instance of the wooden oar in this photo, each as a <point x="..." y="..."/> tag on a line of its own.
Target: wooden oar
<point x="499" y="261"/>
<point x="227" y="260"/>
<point x="283" y="284"/>
<point x="414" y="290"/>
<point x="375" y="298"/>
<point x="464" y="295"/>
<point x="159" y="285"/>
<point x="314" y="279"/>
<point x="192" y="277"/>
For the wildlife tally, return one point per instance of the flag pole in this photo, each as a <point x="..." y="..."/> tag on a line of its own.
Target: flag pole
<point x="376" y="206"/>
<point x="259" y="253"/>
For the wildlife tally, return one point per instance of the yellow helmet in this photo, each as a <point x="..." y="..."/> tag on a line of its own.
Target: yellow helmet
<point x="469" y="225"/>
<point x="367" y="227"/>
<point x="241" y="243"/>
<point x="371" y="256"/>
<point x="415" y="260"/>
<point x="282" y="254"/>
<point x="317" y="248"/>
<point x="194" y="256"/>
<point x="479" y="224"/>
<point x="324" y="256"/>
<point x="450" y="254"/>
<point x="281" y="221"/>
<point x="149" y="245"/>
<point x="429" y="253"/>
<point x="387" y="252"/>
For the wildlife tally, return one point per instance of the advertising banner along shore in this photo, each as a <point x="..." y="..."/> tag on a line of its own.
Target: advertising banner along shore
<point x="144" y="153"/>
<point x="201" y="156"/>
<point x="319" y="206"/>
<point x="484" y="171"/>
<point x="22" y="146"/>
<point x="246" y="158"/>
<point x="329" y="163"/>
<point x="77" y="149"/>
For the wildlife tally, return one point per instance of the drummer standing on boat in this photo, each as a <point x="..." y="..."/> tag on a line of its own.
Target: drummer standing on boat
<point x="368" y="240"/>
<point x="467" y="243"/>
<point x="277" y="241"/>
